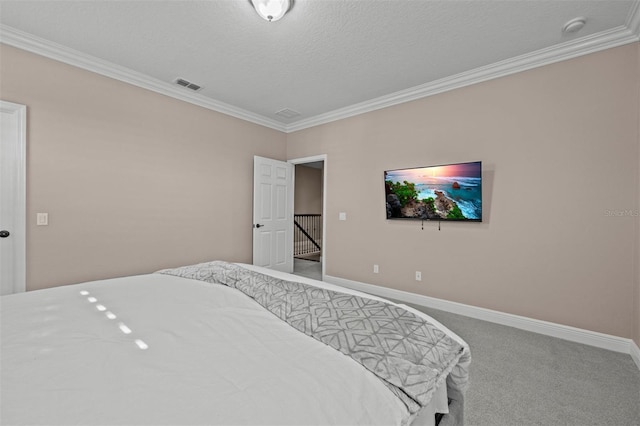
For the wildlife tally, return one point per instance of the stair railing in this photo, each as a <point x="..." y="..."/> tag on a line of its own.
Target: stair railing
<point x="307" y="234"/>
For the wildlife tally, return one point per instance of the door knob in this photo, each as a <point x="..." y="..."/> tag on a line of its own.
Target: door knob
<point x="4" y="234"/>
<point x="258" y="225"/>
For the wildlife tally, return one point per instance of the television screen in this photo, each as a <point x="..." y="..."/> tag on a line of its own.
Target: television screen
<point x="449" y="192"/>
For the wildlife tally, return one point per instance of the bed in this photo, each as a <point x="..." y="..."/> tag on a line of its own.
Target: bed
<point x="221" y="344"/>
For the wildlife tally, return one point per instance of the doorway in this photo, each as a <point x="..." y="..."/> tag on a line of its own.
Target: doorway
<point x="309" y="217"/>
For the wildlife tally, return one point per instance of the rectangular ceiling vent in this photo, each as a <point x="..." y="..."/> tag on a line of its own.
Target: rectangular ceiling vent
<point x="186" y="83"/>
<point x="287" y="113"/>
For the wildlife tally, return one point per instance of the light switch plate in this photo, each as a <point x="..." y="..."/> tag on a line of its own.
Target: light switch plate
<point x="42" y="219"/>
<point x="343" y="216"/>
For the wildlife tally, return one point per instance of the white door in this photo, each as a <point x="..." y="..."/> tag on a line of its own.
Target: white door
<point x="273" y="214"/>
<point x="12" y="197"/>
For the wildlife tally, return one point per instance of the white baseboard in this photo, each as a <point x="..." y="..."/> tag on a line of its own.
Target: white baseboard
<point x="635" y="353"/>
<point x="591" y="338"/>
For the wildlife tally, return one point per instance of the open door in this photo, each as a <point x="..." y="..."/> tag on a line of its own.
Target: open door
<point x="273" y="214"/>
<point x="12" y="197"/>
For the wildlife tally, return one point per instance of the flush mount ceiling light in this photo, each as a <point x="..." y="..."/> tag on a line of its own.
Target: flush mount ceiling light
<point x="271" y="10"/>
<point x="574" y="25"/>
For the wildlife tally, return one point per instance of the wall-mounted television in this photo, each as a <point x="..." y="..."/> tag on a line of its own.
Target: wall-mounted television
<point x="446" y="192"/>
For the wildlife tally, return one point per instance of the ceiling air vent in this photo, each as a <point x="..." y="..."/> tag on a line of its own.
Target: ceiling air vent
<point x="186" y="83"/>
<point x="287" y="113"/>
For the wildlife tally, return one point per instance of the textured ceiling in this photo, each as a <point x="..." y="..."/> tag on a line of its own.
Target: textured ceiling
<point x="323" y="56"/>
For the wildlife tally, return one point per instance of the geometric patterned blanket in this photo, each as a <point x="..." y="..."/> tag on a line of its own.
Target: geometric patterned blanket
<point x="411" y="356"/>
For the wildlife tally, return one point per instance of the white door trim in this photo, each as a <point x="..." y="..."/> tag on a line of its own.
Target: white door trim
<point x="18" y="188"/>
<point x="313" y="159"/>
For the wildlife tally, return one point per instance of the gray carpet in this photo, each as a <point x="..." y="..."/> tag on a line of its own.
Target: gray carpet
<point x="307" y="268"/>
<point x="523" y="378"/>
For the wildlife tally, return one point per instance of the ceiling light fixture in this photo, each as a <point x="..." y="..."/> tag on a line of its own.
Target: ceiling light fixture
<point x="271" y="10"/>
<point x="574" y="25"/>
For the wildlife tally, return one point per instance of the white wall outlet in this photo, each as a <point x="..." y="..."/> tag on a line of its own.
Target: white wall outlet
<point x="343" y="216"/>
<point x="418" y="276"/>
<point x="42" y="219"/>
<point x="375" y="269"/>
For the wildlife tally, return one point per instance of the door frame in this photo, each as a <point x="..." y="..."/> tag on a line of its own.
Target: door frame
<point x="313" y="159"/>
<point x="19" y="189"/>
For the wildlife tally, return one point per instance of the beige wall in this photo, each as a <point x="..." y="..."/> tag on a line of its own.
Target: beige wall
<point x="308" y="190"/>
<point x="133" y="181"/>
<point x="559" y="146"/>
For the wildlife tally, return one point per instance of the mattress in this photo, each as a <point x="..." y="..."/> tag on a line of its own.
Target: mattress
<point x="160" y="349"/>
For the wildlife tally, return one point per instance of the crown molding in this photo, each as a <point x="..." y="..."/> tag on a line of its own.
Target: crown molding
<point x="628" y="33"/>
<point x="55" y="51"/>
<point x="633" y="21"/>
<point x="572" y="49"/>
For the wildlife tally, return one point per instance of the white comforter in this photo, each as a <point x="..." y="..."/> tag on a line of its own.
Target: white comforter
<point x="157" y="349"/>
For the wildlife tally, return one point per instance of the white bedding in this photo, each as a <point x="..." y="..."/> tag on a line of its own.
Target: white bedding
<point x="178" y="351"/>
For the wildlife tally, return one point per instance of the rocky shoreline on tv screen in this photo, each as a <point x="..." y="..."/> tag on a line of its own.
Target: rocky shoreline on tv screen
<point x="431" y="209"/>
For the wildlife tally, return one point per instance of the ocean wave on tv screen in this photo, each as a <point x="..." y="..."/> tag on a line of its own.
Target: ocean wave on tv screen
<point x="469" y="210"/>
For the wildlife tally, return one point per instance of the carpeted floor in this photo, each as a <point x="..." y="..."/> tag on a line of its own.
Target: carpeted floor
<point x="307" y="268"/>
<point x="523" y="378"/>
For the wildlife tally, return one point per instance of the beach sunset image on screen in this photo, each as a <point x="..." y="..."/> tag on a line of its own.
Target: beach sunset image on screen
<point x="449" y="192"/>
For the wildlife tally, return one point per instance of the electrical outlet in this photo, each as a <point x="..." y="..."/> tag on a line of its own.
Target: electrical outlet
<point x="375" y="269"/>
<point x="418" y="276"/>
